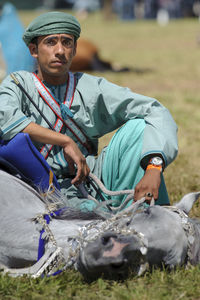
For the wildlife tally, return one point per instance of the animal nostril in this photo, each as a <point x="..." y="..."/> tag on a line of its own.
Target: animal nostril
<point x="107" y="237"/>
<point x="105" y="240"/>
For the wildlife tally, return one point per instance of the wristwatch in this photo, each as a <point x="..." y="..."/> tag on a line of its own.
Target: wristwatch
<point x="155" y="162"/>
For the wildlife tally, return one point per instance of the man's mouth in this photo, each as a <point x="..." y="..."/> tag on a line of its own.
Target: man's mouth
<point x="59" y="62"/>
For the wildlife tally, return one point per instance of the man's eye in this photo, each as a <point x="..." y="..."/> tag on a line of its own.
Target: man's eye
<point x="50" y="42"/>
<point x="68" y="43"/>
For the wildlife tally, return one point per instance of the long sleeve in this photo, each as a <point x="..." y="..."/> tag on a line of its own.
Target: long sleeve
<point x="16" y="111"/>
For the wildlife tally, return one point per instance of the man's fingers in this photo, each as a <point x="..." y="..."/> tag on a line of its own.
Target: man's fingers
<point x="71" y="167"/>
<point x="76" y="162"/>
<point x="82" y="173"/>
<point x="78" y="178"/>
<point x="147" y="193"/>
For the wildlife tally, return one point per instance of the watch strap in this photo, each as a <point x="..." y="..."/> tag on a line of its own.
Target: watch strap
<point x="150" y="166"/>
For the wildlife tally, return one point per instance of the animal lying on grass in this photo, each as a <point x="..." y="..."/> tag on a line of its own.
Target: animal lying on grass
<point x="88" y="58"/>
<point x="130" y="240"/>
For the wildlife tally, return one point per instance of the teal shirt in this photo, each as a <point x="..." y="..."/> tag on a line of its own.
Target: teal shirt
<point x="99" y="107"/>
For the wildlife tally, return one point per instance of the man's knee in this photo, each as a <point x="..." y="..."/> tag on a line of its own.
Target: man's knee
<point x="131" y="132"/>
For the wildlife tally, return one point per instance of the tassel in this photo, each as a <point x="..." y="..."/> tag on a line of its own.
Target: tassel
<point x="65" y="111"/>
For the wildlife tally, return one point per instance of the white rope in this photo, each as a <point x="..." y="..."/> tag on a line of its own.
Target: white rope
<point x="130" y="194"/>
<point x="102" y="187"/>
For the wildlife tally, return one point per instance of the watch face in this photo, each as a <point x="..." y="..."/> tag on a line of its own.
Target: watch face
<point x="157" y="161"/>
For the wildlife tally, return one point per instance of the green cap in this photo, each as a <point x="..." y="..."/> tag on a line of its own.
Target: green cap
<point x="52" y="23"/>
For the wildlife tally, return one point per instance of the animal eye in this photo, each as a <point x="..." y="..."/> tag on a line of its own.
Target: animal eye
<point x="105" y="239"/>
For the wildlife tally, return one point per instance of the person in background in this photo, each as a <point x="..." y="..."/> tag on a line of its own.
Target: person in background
<point x="83" y="7"/>
<point x="82" y="108"/>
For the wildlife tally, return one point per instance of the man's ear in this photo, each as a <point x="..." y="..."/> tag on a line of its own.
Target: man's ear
<point x="33" y="48"/>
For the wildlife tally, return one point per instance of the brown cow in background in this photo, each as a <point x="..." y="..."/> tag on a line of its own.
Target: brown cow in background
<point x="87" y="59"/>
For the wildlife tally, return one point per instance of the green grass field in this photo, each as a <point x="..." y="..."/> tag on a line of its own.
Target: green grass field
<point x="168" y="58"/>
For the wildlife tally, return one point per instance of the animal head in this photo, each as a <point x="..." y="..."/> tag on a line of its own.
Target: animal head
<point x="153" y="236"/>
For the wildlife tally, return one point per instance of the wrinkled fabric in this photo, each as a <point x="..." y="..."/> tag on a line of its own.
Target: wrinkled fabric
<point x="98" y="107"/>
<point x="52" y="23"/>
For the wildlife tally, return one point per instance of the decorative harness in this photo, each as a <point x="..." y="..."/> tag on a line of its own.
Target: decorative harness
<point x="63" y="113"/>
<point x="87" y="234"/>
<point x="55" y="266"/>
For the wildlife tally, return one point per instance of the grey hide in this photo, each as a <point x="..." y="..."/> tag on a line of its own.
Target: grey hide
<point x="131" y="240"/>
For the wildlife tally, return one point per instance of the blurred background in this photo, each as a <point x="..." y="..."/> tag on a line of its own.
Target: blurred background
<point x="125" y="9"/>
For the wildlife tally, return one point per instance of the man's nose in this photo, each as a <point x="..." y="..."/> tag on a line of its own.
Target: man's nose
<point x="59" y="48"/>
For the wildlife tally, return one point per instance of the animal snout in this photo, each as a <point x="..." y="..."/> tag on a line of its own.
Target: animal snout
<point x="113" y="246"/>
<point x="109" y="255"/>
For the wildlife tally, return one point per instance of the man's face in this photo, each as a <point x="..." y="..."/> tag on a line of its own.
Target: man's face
<point x="54" y="54"/>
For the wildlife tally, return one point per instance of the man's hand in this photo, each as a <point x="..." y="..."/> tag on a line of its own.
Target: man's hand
<point x="72" y="153"/>
<point x="149" y="183"/>
<point x="75" y="158"/>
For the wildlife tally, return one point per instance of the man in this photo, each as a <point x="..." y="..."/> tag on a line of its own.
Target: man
<point x="89" y="107"/>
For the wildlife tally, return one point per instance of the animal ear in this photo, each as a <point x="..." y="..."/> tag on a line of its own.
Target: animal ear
<point x="187" y="202"/>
